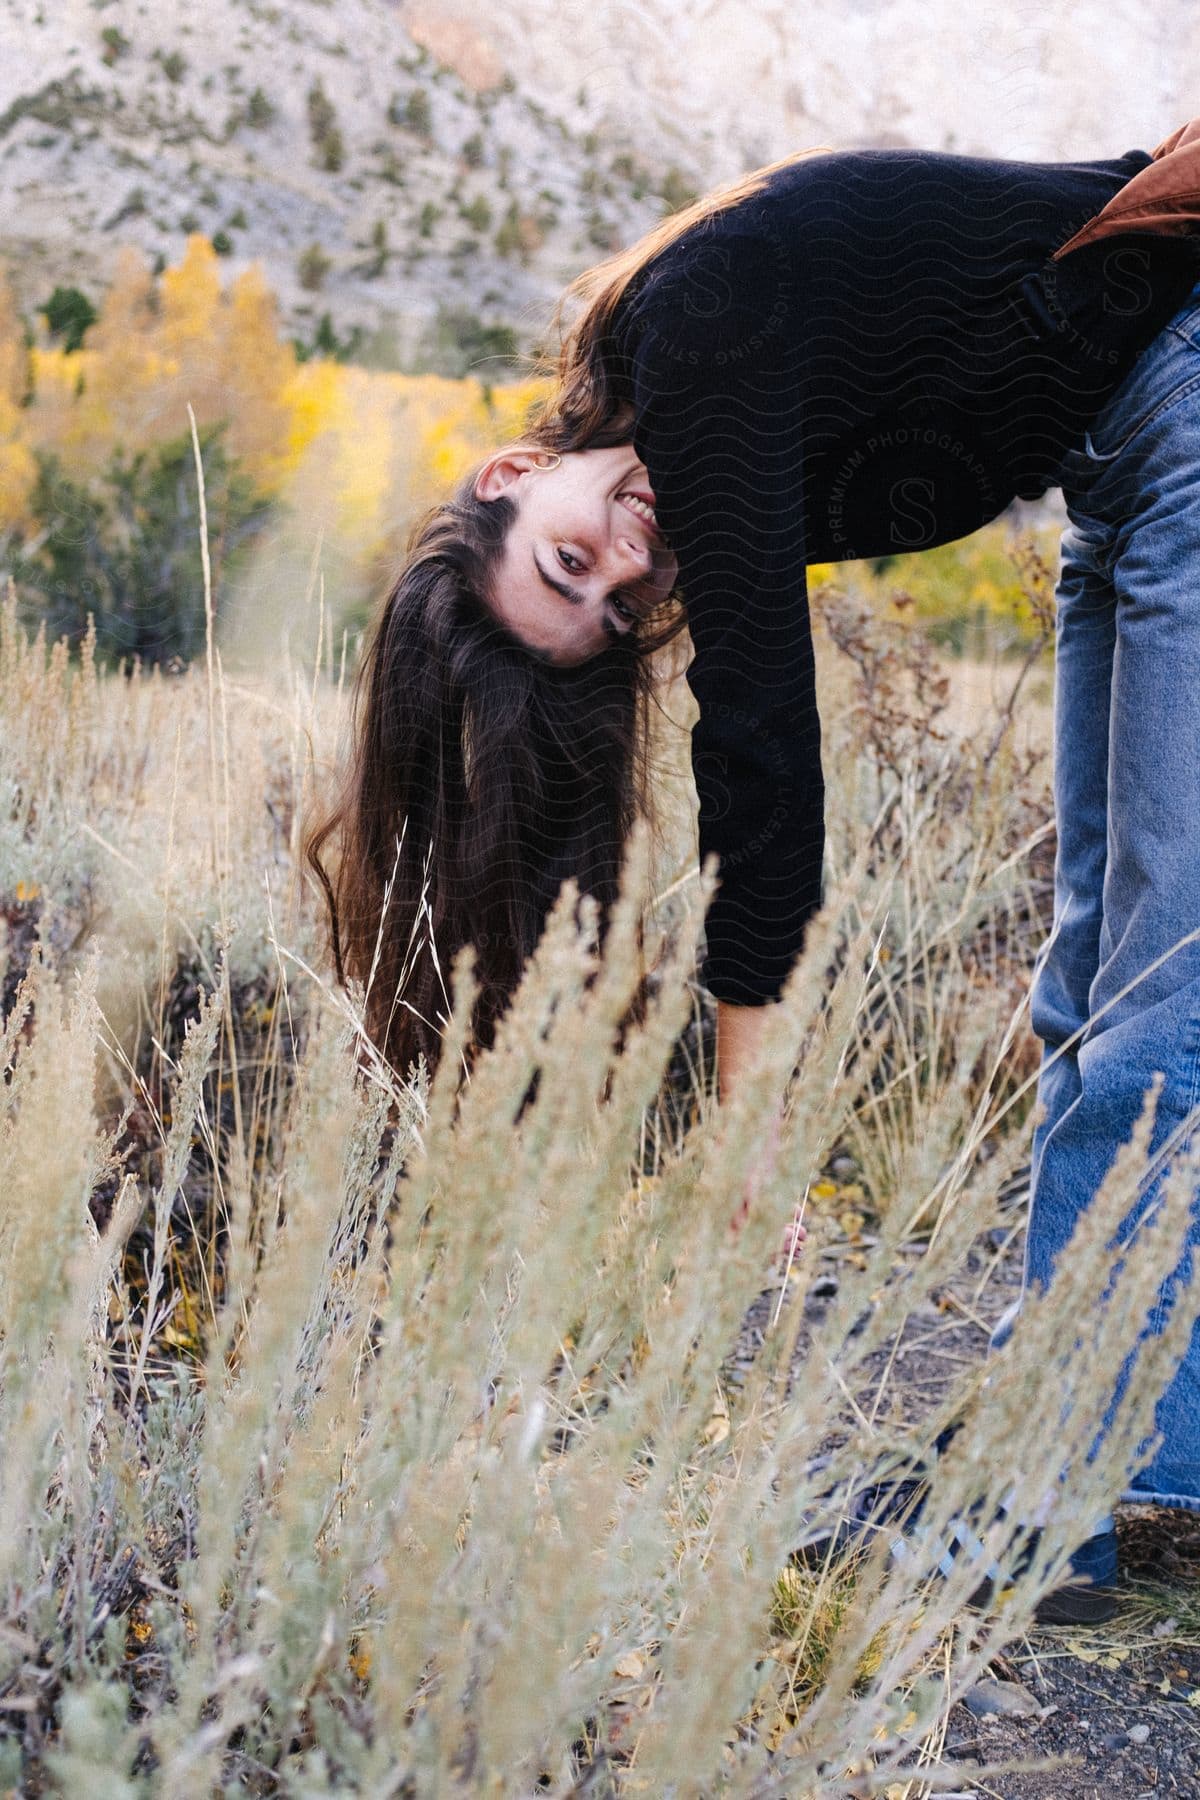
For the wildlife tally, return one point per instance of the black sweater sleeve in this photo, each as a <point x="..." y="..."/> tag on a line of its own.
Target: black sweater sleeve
<point x="717" y="424"/>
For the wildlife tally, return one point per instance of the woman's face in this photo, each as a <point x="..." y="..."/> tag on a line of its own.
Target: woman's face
<point x="583" y="558"/>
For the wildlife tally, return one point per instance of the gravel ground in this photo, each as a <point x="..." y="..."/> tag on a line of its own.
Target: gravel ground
<point x="1117" y="1706"/>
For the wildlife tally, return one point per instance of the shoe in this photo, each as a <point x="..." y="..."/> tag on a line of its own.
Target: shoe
<point x="879" y="1506"/>
<point x="894" y="1506"/>
<point x="1087" y="1597"/>
<point x="962" y="1539"/>
<point x="1092" y="1596"/>
<point x="1076" y="1603"/>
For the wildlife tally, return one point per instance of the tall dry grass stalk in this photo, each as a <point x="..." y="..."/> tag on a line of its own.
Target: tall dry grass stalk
<point x="426" y="1471"/>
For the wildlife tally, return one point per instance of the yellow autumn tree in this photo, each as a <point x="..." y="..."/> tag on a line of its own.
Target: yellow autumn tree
<point x="14" y="356"/>
<point x="153" y="350"/>
<point x="189" y="332"/>
<point x="255" y="368"/>
<point x="108" y="393"/>
<point x="511" y="406"/>
<point x="18" y="469"/>
<point x="354" y="455"/>
<point x="125" y="362"/>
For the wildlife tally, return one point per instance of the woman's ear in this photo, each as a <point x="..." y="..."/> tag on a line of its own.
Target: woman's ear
<point x="502" y="470"/>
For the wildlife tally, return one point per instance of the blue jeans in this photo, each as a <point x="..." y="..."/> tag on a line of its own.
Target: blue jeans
<point x="1127" y="802"/>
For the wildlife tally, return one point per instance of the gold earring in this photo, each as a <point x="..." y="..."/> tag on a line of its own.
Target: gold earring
<point x="551" y="465"/>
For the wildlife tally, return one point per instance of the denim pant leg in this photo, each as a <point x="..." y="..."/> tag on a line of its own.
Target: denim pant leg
<point x="1085" y="639"/>
<point x="1127" y="884"/>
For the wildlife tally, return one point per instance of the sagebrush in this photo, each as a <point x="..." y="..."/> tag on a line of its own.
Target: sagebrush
<point x="359" y="1436"/>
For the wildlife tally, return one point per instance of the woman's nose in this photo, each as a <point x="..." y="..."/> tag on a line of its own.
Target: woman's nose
<point x="634" y="553"/>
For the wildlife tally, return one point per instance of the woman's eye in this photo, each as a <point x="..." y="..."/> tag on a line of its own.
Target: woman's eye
<point x="571" y="563"/>
<point x="621" y="609"/>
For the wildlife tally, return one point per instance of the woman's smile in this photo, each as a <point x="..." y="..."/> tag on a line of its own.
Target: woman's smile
<point x="641" y="505"/>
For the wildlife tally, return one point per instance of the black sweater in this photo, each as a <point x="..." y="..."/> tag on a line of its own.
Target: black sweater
<point x="875" y="354"/>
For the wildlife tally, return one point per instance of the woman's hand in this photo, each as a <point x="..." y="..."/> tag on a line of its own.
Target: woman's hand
<point x="760" y="1171"/>
<point x="793" y="1239"/>
<point x="738" y="1032"/>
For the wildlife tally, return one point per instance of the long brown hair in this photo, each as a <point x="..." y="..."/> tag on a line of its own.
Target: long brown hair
<point x="480" y="776"/>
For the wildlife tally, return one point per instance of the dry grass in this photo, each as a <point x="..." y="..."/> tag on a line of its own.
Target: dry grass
<point x="351" y="1446"/>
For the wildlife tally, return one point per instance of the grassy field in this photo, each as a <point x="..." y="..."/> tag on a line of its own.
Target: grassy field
<point x="351" y="1445"/>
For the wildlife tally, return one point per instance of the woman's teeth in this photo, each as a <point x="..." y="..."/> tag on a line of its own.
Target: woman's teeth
<point x="639" y="507"/>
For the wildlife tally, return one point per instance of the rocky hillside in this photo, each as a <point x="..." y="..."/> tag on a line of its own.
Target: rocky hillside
<point x="429" y="172"/>
<point x="415" y="202"/>
<point x="736" y="82"/>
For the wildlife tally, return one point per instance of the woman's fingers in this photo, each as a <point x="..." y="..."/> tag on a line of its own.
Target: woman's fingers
<point x="759" y="1172"/>
<point x="793" y="1238"/>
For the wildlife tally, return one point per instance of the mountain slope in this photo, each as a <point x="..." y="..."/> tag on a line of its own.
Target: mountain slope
<point x="371" y="179"/>
<point x="425" y="169"/>
<point x="739" y="81"/>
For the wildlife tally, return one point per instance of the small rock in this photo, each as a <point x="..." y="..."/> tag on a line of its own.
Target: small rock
<point x="1007" y="1698"/>
<point x="823" y="1288"/>
<point x="1139" y="1734"/>
<point x="842" y="1167"/>
<point x="1116" y="1740"/>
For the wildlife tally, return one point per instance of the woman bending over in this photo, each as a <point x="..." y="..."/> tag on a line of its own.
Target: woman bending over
<point x="843" y="354"/>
